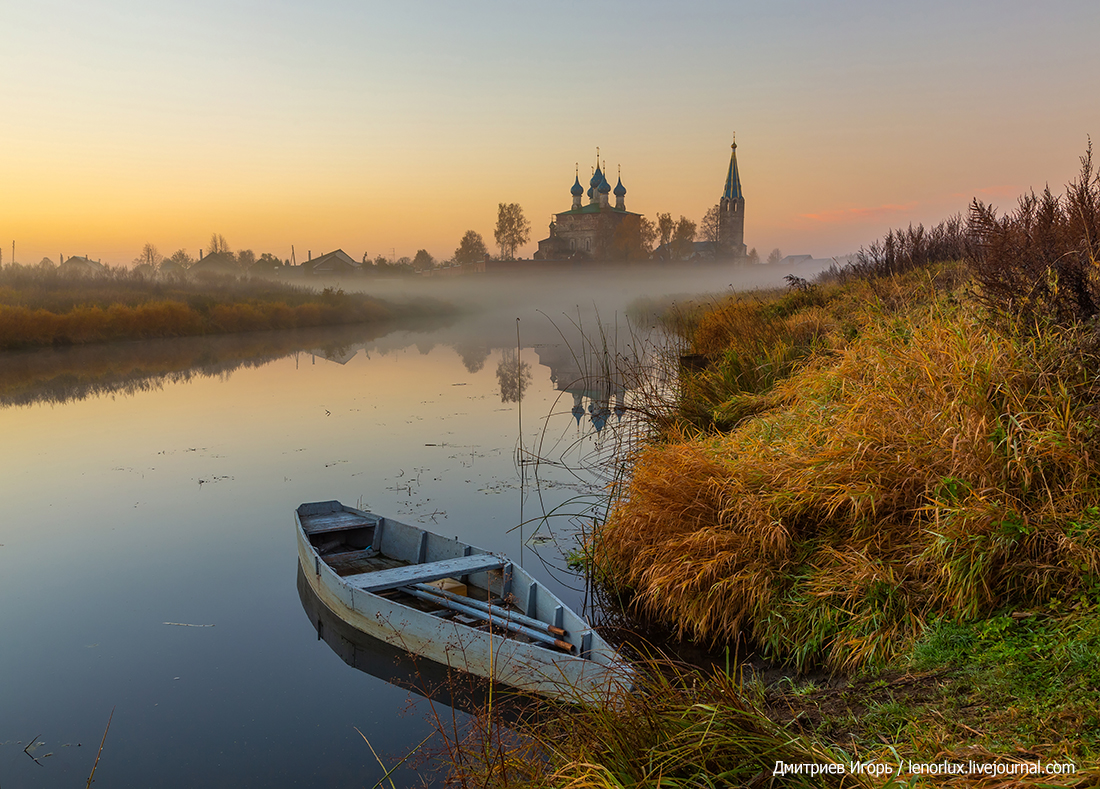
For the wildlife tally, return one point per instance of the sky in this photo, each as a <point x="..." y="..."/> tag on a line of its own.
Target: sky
<point x="384" y="128"/>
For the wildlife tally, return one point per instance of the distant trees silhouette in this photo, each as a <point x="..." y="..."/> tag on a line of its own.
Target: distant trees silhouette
<point x="471" y="249"/>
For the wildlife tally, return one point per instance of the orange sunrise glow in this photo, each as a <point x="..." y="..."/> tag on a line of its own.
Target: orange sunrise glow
<point x="381" y="129"/>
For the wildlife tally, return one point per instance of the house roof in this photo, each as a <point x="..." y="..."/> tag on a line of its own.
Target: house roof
<point x="215" y="261"/>
<point x="336" y="258"/>
<point x="82" y="263"/>
<point x="594" y="208"/>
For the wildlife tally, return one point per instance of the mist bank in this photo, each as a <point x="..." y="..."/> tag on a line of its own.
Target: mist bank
<point x="44" y="307"/>
<point x="607" y="287"/>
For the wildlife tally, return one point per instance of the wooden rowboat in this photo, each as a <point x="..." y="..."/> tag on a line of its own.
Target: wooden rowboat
<point x="452" y="603"/>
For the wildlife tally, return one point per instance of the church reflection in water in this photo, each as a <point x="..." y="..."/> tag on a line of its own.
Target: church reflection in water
<point x="597" y="386"/>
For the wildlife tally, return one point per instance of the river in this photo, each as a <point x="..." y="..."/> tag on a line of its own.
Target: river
<point x="147" y="553"/>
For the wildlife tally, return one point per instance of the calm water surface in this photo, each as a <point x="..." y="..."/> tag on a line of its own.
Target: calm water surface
<point x="147" y="553"/>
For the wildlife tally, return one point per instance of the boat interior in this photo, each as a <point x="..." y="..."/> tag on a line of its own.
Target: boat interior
<point x="440" y="576"/>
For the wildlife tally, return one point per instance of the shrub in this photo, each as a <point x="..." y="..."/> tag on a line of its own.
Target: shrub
<point x="1039" y="262"/>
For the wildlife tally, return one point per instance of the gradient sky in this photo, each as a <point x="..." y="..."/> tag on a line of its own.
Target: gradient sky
<point x="383" y="126"/>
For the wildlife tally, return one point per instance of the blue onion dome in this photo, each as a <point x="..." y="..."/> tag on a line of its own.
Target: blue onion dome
<point x="577" y="189"/>
<point x="597" y="178"/>
<point x="620" y="190"/>
<point x="604" y="187"/>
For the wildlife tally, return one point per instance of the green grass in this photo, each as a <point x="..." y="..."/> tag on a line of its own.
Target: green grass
<point x="1035" y="675"/>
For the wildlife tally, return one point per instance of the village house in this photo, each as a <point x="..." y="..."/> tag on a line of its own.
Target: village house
<point x="332" y="264"/>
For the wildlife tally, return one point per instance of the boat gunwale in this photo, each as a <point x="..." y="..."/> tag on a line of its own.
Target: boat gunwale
<point x="373" y="616"/>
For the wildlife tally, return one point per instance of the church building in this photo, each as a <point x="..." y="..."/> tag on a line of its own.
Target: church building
<point x="597" y="230"/>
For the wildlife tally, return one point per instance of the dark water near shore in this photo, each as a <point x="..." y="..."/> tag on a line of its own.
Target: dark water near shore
<point x="147" y="556"/>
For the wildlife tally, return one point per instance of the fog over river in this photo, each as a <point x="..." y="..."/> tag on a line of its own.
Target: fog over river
<point x="147" y="552"/>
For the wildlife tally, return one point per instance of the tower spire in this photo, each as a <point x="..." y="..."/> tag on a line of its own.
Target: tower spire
<point x="733" y="178"/>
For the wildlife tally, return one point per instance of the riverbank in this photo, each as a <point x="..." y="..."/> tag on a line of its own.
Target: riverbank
<point x="44" y="307"/>
<point x="884" y="483"/>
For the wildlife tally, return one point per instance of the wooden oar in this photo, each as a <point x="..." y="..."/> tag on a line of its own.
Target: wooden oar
<point x="492" y="619"/>
<point x="495" y="610"/>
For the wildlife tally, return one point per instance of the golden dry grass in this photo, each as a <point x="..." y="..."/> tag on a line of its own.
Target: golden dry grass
<point x="930" y="466"/>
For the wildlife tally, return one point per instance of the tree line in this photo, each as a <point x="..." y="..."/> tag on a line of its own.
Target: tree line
<point x="671" y="238"/>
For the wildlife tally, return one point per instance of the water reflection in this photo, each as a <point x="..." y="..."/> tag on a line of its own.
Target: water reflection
<point x="425" y="678"/>
<point x="514" y="375"/>
<point x="592" y="375"/>
<point x="473" y="355"/>
<point x="126" y="368"/>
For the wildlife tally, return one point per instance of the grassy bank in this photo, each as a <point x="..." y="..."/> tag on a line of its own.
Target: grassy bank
<point x="885" y="483"/>
<point x="43" y="307"/>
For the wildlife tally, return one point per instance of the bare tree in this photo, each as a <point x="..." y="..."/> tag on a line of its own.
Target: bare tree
<point x="775" y="256"/>
<point x="217" y="244"/>
<point x="150" y="256"/>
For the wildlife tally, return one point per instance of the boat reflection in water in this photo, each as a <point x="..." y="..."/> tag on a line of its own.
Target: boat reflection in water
<point x="437" y="683"/>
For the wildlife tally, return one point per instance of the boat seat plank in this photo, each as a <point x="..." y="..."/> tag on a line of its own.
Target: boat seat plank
<point x="358" y="564"/>
<point x="336" y="521"/>
<point x="422" y="573"/>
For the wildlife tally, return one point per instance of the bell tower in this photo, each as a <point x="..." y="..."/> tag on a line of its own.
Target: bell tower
<point x="731" y="213"/>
